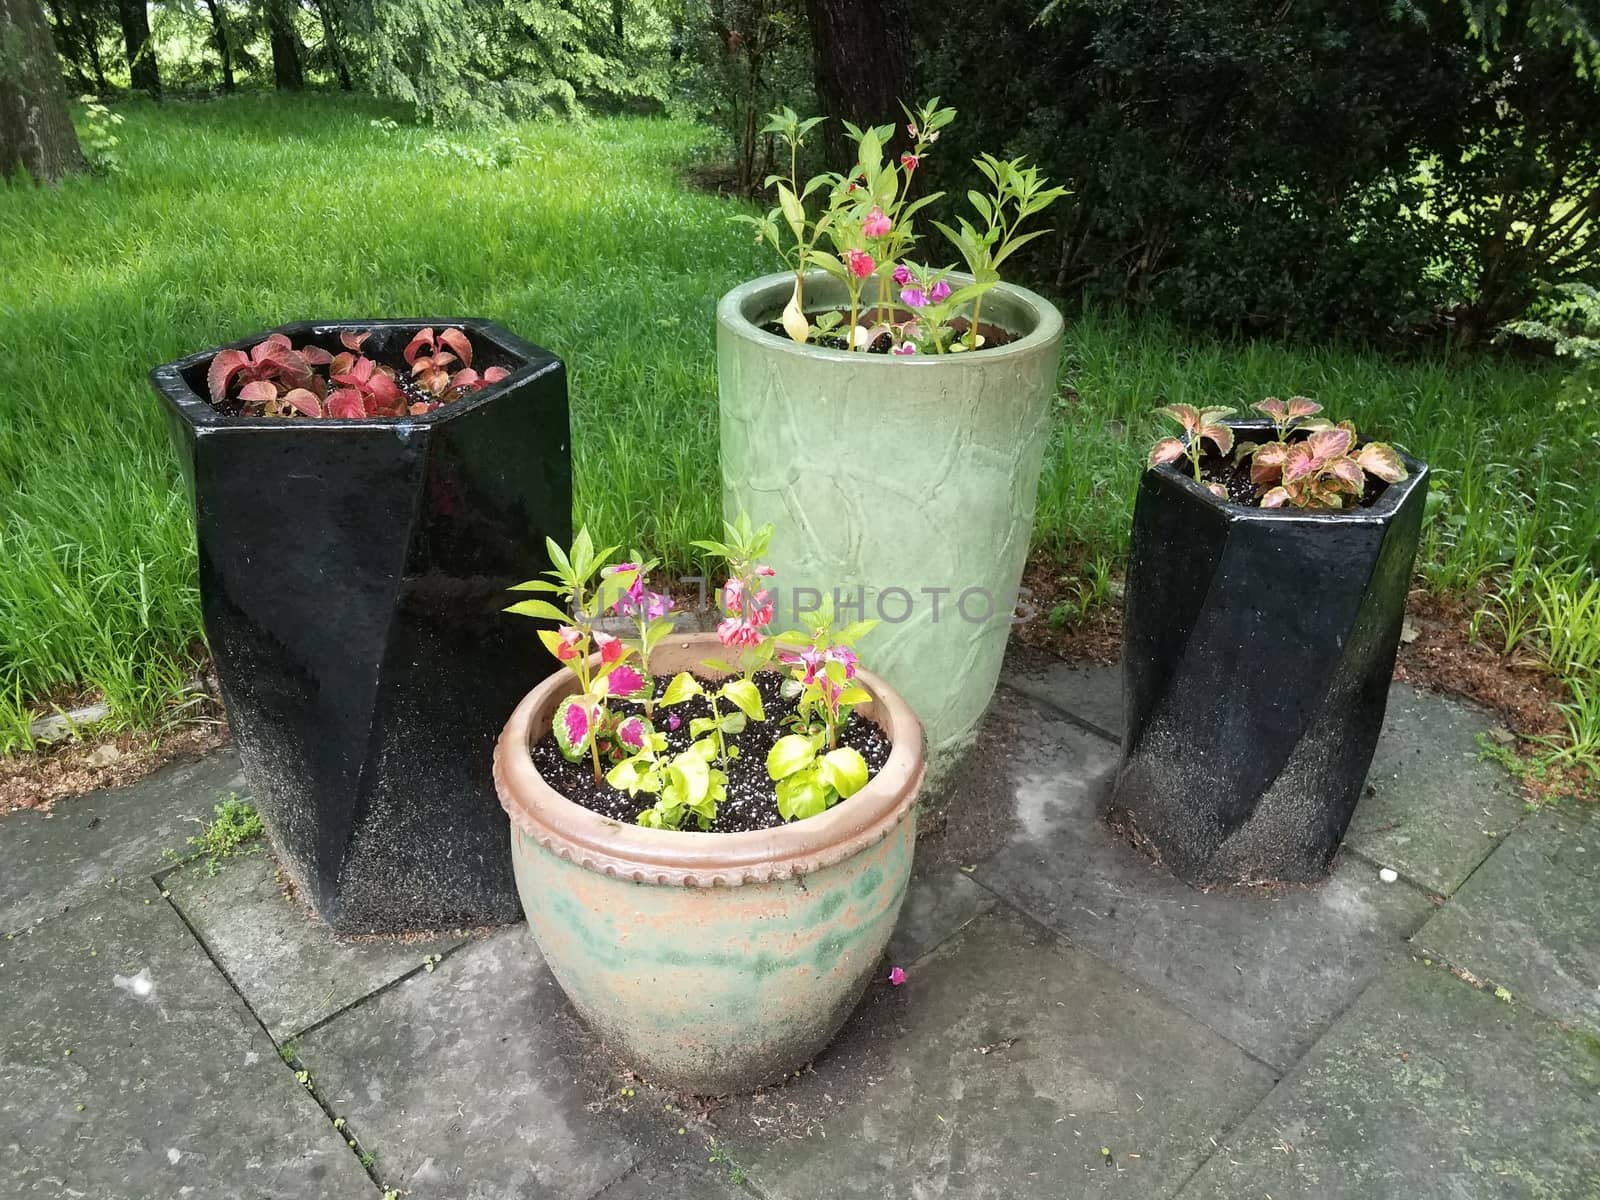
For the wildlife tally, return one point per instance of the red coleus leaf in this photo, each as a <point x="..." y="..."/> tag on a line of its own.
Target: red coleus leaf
<point x="316" y="356"/>
<point x="420" y="407"/>
<point x="221" y="372"/>
<point x="383" y="388"/>
<point x="346" y="403"/>
<point x="458" y="341"/>
<point x="423" y="341"/>
<point x="1165" y="451"/>
<point x="351" y="340"/>
<point x="304" y="402"/>
<point x="341" y="363"/>
<point x="466" y="378"/>
<point x="258" y="391"/>
<point x="495" y="374"/>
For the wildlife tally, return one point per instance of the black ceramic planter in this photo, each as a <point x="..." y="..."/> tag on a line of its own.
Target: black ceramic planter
<point x="352" y="574"/>
<point x="1257" y="651"/>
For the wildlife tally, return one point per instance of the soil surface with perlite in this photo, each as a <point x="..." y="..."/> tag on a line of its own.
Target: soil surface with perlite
<point x="751" y="802"/>
<point x="993" y="336"/>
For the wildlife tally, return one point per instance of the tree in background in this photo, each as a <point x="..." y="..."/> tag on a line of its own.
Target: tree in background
<point x="221" y="39"/>
<point x="863" y="58"/>
<point x="36" y="133"/>
<point x="143" y="72"/>
<point x="287" y="72"/>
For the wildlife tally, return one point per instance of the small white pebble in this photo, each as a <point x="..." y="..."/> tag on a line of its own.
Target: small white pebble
<point x="1388" y="874"/>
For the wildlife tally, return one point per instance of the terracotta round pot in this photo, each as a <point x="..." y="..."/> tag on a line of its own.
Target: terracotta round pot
<point x="714" y="962"/>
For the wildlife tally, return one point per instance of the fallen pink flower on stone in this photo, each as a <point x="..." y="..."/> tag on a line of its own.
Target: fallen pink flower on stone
<point x="897" y="976"/>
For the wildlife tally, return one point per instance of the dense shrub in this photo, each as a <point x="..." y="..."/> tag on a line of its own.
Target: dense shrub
<point x="1329" y="165"/>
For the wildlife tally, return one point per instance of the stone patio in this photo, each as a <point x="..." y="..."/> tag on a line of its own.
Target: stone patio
<point x="1075" y="1022"/>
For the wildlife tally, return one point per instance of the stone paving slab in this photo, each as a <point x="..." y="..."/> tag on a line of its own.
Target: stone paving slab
<point x="285" y="962"/>
<point x="1000" y="1069"/>
<point x="938" y="904"/>
<point x="1089" y="692"/>
<point x="1529" y="918"/>
<point x="455" y="1079"/>
<point x="57" y="860"/>
<point x="1267" y="968"/>
<point x="666" y="1179"/>
<point x="1427" y="1089"/>
<point x="1433" y="807"/>
<point x="131" y="1069"/>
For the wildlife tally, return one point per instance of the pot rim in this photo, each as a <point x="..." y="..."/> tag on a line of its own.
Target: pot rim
<point x="196" y="409"/>
<point x="1048" y="328"/>
<point x="1384" y="509"/>
<point x="690" y="858"/>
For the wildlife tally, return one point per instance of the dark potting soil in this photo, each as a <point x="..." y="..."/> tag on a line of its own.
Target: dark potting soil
<point x="751" y="802"/>
<point x="1235" y="476"/>
<point x="993" y="336"/>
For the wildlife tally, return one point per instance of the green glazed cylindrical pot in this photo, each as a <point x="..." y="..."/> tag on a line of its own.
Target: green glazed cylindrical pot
<point x="907" y="484"/>
<point x="712" y="962"/>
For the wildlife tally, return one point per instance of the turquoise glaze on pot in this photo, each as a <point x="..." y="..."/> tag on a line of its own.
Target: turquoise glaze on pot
<point x="910" y="482"/>
<point x="712" y="962"/>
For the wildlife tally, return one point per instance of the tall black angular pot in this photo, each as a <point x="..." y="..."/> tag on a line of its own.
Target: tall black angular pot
<point x="1257" y="648"/>
<point x="352" y="574"/>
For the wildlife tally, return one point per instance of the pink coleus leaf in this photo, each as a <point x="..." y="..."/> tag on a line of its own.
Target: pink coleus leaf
<point x="1274" y="408"/>
<point x="423" y="341"/>
<point x="1165" y="451"/>
<point x="466" y="378"/>
<point x="1275" y="498"/>
<point x="383" y="388"/>
<point x="632" y="731"/>
<point x="1329" y="444"/>
<point x="1185" y="414"/>
<point x="221" y="372"/>
<point x="346" y="403"/>
<point x="1266" y="465"/>
<point x="304" y="402"/>
<point x="316" y="356"/>
<point x="259" y="391"/>
<point x="495" y="374"/>
<point x="460" y="343"/>
<point x="1377" y="458"/>
<point x="1217" y="490"/>
<point x="1298" y="462"/>
<point x="1221" y="437"/>
<point x="625" y="681"/>
<point x="573" y="726"/>
<point x="1348" y="472"/>
<point x="1302" y="406"/>
<point x="351" y="340"/>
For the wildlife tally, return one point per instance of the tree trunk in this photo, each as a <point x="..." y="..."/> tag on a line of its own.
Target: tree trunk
<point x="69" y="41"/>
<point x="616" y="24"/>
<point x="330" y="41"/>
<point x="88" y="26"/>
<point x="287" y="71"/>
<point x="142" y="70"/>
<point x="863" y="65"/>
<point x="36" y="131"/>
<point x="219" y="31"/>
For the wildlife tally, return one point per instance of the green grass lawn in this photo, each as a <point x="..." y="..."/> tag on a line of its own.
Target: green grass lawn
<point x="238" y="214"/>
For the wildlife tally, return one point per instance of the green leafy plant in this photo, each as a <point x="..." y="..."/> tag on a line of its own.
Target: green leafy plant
<point x="235" y="825"/>
<point x="865" y="217"/>
<point x="823" y="665"/>
<point x="810" y="779"/>
<point x="746" y="602"/>
<point x="577" y="579"/>
<point x="98" y="136"/>
<point x="1571" y="328"/>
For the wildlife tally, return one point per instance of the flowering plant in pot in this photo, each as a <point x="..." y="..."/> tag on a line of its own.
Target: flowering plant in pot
<point x="943" y="378"/>
<point x="712" y="833"/>
<point x="1267" y="578"/>
<point x="364" y="492"/>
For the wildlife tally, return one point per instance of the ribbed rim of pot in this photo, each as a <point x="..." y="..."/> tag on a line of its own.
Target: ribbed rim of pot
<point x="764" y="298"/>
<point x="1381" y="510"/>
<point x="692" y="858"/>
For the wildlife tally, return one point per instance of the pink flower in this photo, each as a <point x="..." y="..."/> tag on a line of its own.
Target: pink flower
<point x="657" y="604"/>
<point x="845" y="656"/>
<point x="765" y="571"/>
<point x="733" y="596"/>
<point x="876" y="225"/>
<point x="733" y="632"/>
<point x="912" y="129"/>
<point x="939" y="291"/>
<point x="860" y="263"/>
<point x="630" y="597"/>
<point x="902" y="275"/>
<point x="897" y="976"/>
<point x="610" y="647"/>
<point x="809" y="658"/>
<point x="570" y="637"/>
<point x="905" y="348"/>
<point x="914" y="297"/>
<point x="909" y="161"/>
<point x="673" y="721"/>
